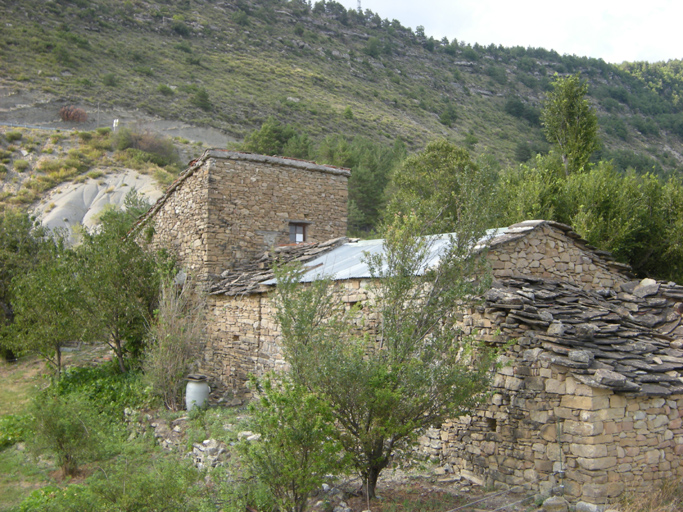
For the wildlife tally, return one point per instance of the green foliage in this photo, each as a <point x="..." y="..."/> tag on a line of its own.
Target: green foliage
<point x="130" y="482"/>
<point x="297" y="447"/>
<point x="165" y="90"/>
<point x="570" y="122"/>
<point x="146" y="147"/>
<point x="201" y="99"/>
<point x="633" y="216"/>
<point x="105" y="386"/>
<point x="240" y="17"/>
<point x="13" y="136"/>
<point x="410" y="374"/>
<point x="173" y="340"/>
<point x="14" y="428"/>
<point x="371" y="165"/>
<point x="110" y="80"/>
<point x="348" y="113"/>
<point x="443" y="186"/>
<point x="449" y="115"/>
<point x="20" y="165"/>
<point x="373" y="47"/>
<point x="70" y="429"/>
<point x="516" y="107"/>
<point x="47" y="302"/>
<point x="272" y="138"/>
<point x="121" y="283"/>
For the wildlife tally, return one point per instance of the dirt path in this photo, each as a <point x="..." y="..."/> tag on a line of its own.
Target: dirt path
<point x="41" y="109"/>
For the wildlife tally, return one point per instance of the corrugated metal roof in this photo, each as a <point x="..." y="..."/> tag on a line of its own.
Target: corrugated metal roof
<point x="348" y="261"/>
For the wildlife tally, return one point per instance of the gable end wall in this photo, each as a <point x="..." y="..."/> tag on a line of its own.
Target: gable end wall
<point x="549" y="253"/>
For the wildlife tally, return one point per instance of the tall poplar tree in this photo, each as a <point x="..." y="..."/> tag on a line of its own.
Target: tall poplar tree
<point x="569" y="122"/>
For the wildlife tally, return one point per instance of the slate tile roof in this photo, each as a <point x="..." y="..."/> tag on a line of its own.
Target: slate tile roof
<point x="248" y="278"/>
<point x="629" y="340"/>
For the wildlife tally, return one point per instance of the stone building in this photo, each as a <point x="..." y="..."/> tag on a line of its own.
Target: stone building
<point x="228" y="207"/>
<point x="588" y="399"/>
<point x="589" y="395"/>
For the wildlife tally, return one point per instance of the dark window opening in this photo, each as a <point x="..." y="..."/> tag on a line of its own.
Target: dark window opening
<point x="297" y="233"/>
<point x="492" y="424"/>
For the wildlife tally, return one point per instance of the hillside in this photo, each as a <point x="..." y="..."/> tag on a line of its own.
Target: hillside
<point x="228" y="65"/>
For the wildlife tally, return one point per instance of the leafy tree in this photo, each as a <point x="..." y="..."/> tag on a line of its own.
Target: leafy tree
<point x="297" y="446"/>
<point x="270" y="139"/>
<point x="121" y="282"/>
<point x="570" y="122"/>
<point x="443" y="186"/>
<point x="412" y="372"/>
<point x="636" y="217"/>
<point x="22" y="246"/>
<point x="47" y="304"/>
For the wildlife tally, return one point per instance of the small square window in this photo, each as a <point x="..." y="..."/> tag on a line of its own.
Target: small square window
<point x="297" y="233"/>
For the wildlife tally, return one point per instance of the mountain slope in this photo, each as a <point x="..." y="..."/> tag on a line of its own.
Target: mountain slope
<point x="324" y="69"/>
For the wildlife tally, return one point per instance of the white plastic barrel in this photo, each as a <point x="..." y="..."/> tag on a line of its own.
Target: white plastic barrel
<point x="196" y="392"/>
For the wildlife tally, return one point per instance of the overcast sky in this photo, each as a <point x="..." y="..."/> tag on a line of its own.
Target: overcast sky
<point x="615" y="31"/>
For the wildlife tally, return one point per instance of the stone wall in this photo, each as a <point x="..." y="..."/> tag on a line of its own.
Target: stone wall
<point x="544" y="430"/>
<point x="243" y="337"/>
<point x="180" y="224"/>
<point x="230" y="207"/>
<point x="550" y="253"/>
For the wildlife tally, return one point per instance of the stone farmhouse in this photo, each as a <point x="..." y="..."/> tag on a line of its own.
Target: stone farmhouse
<point x="588" y="400"/>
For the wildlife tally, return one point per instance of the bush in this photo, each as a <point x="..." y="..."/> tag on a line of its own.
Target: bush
<point x="173" y="342"/>
<point x="104" y="385"/>
<point x="201" y="99"/>
<point x="110" y="80"/>
<point x="13" y="136"/>
<point x="146" y="147"/>
<point x="13" y="429"/>
<point x="20" y="165"/>
<point x="165" y="90"/>
<point x="296" y="449"/>
<point x="69" y="429"/>
<point x="73" y="114"/>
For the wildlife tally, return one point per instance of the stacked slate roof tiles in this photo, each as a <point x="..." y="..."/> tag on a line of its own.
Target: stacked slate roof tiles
<point x="247" y="278"/>
<point x="629" y="340"/>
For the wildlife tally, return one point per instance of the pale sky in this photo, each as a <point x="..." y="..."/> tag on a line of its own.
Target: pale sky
<point x="615" y="31"/>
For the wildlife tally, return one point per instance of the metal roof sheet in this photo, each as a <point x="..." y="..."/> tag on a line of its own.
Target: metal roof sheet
<point x="348" y="261"/>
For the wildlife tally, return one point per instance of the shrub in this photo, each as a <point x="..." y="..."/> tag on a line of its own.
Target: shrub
<point x="201" y="99"/>
<point x="165" y="90"/>
<point x="13" y="136"/>
<point x="104" y="385"/>
<point x="73" y="114"/>
<point x="173" y="341"/>
<point x="146" y="147"/>
<point x="69" y="429"/>
<point x="13" y="429"/>
<point x="20" y="165"/>
<point x="180" y="28"/>
<point x="110" y="80"/>
<point x="297" y="447"/>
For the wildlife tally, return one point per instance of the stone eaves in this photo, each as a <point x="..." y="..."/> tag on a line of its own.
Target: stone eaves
<point x="629" y="340"/>
<point x="246" y="279"/>
<point x="233" y="155"/>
